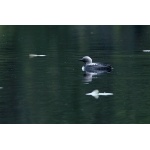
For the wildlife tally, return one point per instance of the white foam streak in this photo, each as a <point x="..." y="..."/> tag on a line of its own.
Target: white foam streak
<point x="96" y="94"/>
<point x="35" y="55"/>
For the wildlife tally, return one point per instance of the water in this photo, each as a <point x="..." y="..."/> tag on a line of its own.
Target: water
<point x="52" y="89"/>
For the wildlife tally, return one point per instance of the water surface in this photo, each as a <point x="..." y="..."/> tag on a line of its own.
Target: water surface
<point x="51" y="89"/>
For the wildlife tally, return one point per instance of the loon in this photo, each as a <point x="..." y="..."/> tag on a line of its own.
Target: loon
<point x="94" y="68"/>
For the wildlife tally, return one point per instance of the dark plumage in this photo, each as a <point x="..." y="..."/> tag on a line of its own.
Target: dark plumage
<point x="94" y="67"/>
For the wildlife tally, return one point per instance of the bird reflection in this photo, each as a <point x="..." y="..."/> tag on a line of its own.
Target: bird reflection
<point x="89" y="76"/>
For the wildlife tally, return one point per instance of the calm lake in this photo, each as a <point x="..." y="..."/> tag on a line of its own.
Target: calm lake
<point x="41" y="80"/>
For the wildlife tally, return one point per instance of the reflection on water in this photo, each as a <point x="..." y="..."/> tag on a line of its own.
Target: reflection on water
<point x="146" y="50"/>
<point x="96" y="94"/>
<point x="35" y="55"/>
<point x="49" y="87"/>
<point x="88" y="76"/>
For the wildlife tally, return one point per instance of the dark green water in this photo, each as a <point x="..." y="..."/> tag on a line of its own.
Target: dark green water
<point x="51" y="90"/>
